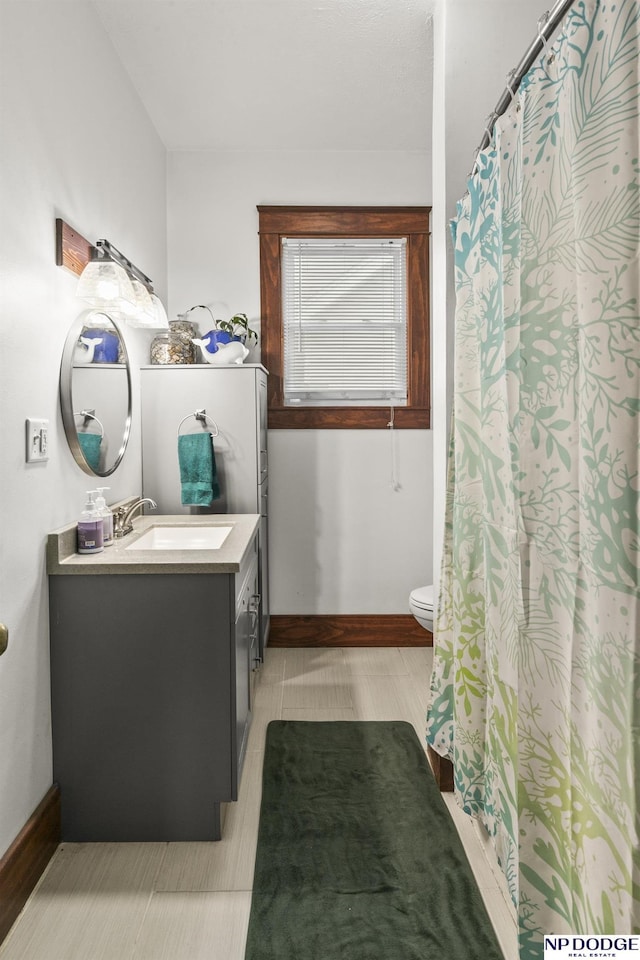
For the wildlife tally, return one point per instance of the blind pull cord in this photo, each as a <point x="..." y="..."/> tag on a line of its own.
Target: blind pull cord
<point x="395" y="484"/>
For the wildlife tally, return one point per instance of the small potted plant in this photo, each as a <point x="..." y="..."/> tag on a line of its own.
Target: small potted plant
<point x="238" y="328"/>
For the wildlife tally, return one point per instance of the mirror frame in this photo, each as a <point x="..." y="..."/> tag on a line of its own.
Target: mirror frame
<point x="66" y="393"/>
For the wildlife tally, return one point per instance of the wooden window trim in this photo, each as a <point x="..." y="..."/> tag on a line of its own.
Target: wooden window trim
<point x="276" y="222"/>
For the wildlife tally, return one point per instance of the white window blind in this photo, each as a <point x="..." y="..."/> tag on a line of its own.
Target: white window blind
<point x="344" y="321"/>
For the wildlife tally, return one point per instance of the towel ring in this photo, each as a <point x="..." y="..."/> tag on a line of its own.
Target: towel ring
<point x="88" y="415"/>
<point x="203" y="417"/>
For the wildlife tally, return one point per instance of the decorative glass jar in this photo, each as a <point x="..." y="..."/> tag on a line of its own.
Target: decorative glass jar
<point x="175" y="346"/>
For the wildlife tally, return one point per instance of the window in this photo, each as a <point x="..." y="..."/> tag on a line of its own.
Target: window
<point x="344" y="321"/>
<point x="345" y="331"/>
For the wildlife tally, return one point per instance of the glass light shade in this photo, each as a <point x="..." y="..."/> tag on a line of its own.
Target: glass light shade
<point x="146" y="312"/>
<point x="161" y="318"/>
<point x="105" y="284"/>
<point x="143" y="300"/>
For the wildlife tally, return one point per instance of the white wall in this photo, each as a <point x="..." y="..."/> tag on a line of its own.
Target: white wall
<point x="475" y="46"/>
<point x="75" y="144"/>
<point x="341" y="540"/>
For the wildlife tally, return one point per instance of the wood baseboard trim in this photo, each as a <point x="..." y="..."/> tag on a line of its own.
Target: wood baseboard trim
<point x="350" y="630"/>
<point x="24" y="862"/>
<point x="442" y="770"/>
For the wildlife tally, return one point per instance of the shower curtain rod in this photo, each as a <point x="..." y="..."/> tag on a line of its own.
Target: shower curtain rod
<point x="547" y="25"/>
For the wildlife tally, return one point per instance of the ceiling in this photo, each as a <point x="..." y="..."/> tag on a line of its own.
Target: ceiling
<point x="279" y="74"/>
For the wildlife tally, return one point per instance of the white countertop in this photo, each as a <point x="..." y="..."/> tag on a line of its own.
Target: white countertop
<point x="63" y="559"/>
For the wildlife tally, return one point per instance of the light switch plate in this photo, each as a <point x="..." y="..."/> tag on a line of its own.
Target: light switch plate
<point x="37" y="440"/>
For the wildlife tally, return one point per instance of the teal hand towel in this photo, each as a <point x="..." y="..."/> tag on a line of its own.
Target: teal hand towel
<point x="197" y="469"/>
<point x="90" y="446"/>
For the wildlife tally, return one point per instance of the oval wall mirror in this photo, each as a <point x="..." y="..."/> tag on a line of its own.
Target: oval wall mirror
<point x="95" y="393"/>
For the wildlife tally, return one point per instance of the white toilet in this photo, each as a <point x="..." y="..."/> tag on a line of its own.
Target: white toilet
<point x="421" y="606"/>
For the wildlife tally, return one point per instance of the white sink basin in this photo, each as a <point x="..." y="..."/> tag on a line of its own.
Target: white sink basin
<point x="182" y="538"/>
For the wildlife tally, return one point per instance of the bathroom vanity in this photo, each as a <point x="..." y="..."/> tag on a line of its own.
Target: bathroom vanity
<point x="154" y="655"/>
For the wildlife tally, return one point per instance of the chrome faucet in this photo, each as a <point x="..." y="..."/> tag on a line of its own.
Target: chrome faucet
<point x="122" y="516"/>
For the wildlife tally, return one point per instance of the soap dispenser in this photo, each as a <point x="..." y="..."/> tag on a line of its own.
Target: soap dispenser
<point x="90" y="527"/>
<point x="106" y="514"/>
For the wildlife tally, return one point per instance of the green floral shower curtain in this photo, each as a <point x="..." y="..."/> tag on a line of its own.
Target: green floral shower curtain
<point x="535" y="693"/>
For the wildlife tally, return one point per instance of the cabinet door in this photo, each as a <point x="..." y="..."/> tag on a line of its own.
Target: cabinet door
<point x="263" y="568"/>
<point x="142" y="705"/>
<point x="229" y="396"/>
<point x="263" y="459"/>
<point x="247" y="657"/>
<point x="255" y="657"/>
<point x="242" y="679"/>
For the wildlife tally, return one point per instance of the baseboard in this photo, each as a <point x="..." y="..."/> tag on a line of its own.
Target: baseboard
<point x="24" y="862"/>
<point x="351" y="630"/>
<point x="442" y="770"/>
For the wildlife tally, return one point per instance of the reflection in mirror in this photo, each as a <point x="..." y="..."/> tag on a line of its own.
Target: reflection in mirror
<point x="95" y="393"/>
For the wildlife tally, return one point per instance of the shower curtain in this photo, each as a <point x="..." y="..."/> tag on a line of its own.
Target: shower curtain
<point x="535" y="693"/>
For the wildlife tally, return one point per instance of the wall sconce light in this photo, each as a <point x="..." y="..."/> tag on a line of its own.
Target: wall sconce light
<point x="109" y="281"/>
<point x="104" y="282"/>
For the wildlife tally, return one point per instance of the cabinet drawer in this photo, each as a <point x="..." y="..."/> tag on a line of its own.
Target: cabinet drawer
<point x="247" y="574"/>
<point x="243" y="599"/>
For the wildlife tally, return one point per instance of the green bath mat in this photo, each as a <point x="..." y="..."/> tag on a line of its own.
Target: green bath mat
<point x="358" y="858"/>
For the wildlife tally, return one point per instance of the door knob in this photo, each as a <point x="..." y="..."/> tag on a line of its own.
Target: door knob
<point x="4" y="638"/>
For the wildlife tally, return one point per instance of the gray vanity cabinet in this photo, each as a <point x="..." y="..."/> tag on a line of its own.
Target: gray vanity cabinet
<point x="151" y="700"/>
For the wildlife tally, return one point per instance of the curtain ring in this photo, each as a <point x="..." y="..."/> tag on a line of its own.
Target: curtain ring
<point x="542" y="22"/>
<point x="512" y="90"/>
<point x="474" y="168"/>
<point x="510" y="77"/>
<point x="488" y="130"/>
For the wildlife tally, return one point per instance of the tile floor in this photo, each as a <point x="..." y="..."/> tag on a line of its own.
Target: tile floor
<point x="190" y="901"/>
